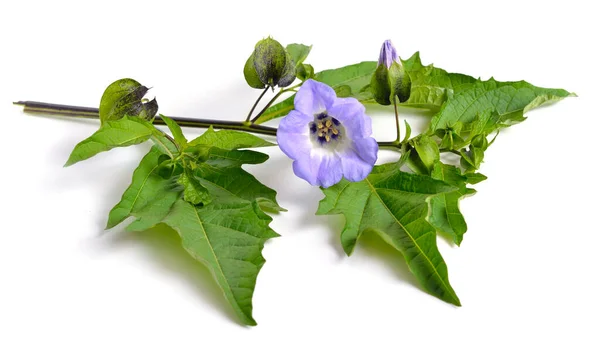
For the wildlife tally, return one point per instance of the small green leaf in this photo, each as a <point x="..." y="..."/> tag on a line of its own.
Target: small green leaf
<point x="112" y="134"/>
<point x="428" y="151"/>
<point x="445" y="214"/>
<point x="298" y="52"/>
<point x="223" y="169"/>
<point x="226" y="139"/>
<point x="175" y="130"/>
<point x="343" y="91"/>
<point x="193" y="191"/>
<point x="125" y="97"/>
<point x="149" y="196"/>
<point x="475" y="178"/>
<point x="305" y="72"/>
<point x="393" y="204"/>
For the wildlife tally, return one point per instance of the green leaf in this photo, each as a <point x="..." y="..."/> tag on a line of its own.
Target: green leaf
<point x="445" y="214"/>
<point x="475" y="178"/>
<point x="148" y="197"/>
<point x="298" y="52"/>
<point x="428" y="151"/>
<point x="393" y="204"/>
<point x="510" y="100"/>
<point x="354" y="78"/>
<point x="227" y="236"/>
<point x="193" y="190"/>
<point x="305" y="72"/>
<point x="226" y="139"/>
<point x="112" y="134"/>
<point x="223" y="169"/>
<point x="221" y="165"/>
<point x="431" y="87"/>
<point x="175" y="130"/>
<point x="125" y="97"/>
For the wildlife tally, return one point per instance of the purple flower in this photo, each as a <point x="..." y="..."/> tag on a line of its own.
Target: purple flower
<point x="388" y="54"/>
<point x="327" y="137"/>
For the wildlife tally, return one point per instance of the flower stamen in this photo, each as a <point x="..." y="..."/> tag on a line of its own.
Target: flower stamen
<point x="325" y="128"/>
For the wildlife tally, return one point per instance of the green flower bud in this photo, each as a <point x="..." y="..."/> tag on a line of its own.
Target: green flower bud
<point x="269" y="65"/>
<point x="389" y="79"/>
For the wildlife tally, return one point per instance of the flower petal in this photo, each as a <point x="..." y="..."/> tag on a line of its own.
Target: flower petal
<point x="388" y="54"/>
<point x="313" y="97"/>
<point x="306" y="169"/>
<point x="354" y="168"/>
<point x="293" y="134"/>
<point x="295" y="122"/>
<point x="351" y="113"/>
<point x="319" y="169"/>
<point x="357" y="163"/>
<point x="330" y="170"/>
<point x="367" y="149"/>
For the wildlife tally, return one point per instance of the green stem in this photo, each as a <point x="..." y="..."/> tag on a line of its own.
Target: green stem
<point x="397" y="120"/>
<point x="90" y="112"/>
<point x="256" y="103"/>
<point x="272" y="101"/>
<point x="172" y="140"/>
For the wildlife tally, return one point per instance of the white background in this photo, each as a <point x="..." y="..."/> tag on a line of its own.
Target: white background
<point x="527" y="273"/>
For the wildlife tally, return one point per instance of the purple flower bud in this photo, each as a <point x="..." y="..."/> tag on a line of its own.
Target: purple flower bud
<point x="388" y="54"/>
<point x="327" y="137"/>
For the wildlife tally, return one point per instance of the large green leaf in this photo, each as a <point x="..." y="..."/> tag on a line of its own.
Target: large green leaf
<point x="510" y="100"/>
<point x="431" y="86"/>
<point x="227" y="236"/>
<point x="445" y="214"/>
<point x="348" y="81"/>
<point x="393" y="204"/>
<point x="125" y="97"/>
<point x="112" y="134"/>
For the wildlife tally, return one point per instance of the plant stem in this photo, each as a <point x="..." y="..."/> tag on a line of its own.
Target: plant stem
<point x="256" y="103"/>
<point x="397" y="120"/>
<point x="390" y="145"/>
<point x="90" y="112"/>
<point x="171" y="140"/>
<point x="272" y="101"/>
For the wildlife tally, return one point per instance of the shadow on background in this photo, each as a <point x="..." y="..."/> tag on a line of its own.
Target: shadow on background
<point x="163" y="246"/>
<point x="376" y="248"/>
